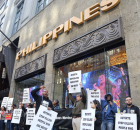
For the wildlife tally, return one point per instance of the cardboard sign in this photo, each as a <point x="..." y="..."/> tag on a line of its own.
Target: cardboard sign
<point x="30" y="116"/>
<point x="26" y="96"/>
<point x="4" y="102"/>
<point x="9" y="104"/>
<point x="74" y="80"/>
<point x="87" y="121"/>
<point x="92" y="95"/>
<point x="44" y="119"/>
<point x="8" y="116"/>
<point x="126" y="122"/>
<point x="16" y="116"/>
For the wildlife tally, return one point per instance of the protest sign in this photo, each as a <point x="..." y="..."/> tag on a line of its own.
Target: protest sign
<point x="45" y="103"/>
<point x="126" y="122"/>
<point x="87" y="121"/>
<point x="74" y="80"/>
<point x="9" y="104"/>
<point x="16" y="116"/>
<point x="8" y="116"/>
<point x="92" y="95"/>
<point x="30" y="116"/>
<point x="26" y="96"/>
<point x="44" y="119"/>
<point x="4" y="102"/>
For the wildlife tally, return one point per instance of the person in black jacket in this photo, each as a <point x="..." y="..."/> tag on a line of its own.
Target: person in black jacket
<point x="130" y="108"/>
<point x="40" y="99"/>
<point x="98" y="115"/>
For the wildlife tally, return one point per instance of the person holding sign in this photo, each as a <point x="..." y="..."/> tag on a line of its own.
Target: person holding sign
<point x="39" y="99"/>
<point x="98" y="115"/>
<point x="9" y="124"/>
<point x="2" y="118"/>
<point x="108" y="112"/>
<point x="79" y="104"/>
<point x="131" y="109"/>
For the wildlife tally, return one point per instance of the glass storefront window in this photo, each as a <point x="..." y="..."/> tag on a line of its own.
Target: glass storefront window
<point x="106" y="71"/>
<point x="30" y="83"/>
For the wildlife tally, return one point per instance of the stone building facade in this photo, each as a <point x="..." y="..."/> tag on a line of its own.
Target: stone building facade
<point x="57" y="13"/>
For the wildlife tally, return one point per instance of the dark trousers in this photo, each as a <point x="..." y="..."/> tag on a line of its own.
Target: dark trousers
<point x="10" y="125"/>
<point x="1" y="124"/>
<point x="26" y="127"/>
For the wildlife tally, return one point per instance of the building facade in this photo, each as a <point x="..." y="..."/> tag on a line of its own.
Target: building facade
<point x="98" y="37"/>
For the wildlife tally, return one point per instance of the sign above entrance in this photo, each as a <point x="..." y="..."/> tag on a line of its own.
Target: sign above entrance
<point x="88" y="14"/>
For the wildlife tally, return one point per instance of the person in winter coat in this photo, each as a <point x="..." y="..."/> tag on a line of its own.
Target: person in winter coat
<point x="2" y="118"/>
<point x="98" y="114"/>
<point x="108" y="112"/>
<point x="131" y="109"/>
<point x="9" y="124"/>
<point x="39" y="99"/>
<point x="56" y="104"/>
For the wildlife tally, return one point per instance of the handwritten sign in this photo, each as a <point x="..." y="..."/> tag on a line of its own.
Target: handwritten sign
<point x="16" y="116"/>
<point x="26" y="96"/>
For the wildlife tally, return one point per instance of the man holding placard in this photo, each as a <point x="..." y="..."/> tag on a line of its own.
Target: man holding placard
<point x="40" y="99"/>
<point x="79" y="104"/>
<point x="131" y="109"/>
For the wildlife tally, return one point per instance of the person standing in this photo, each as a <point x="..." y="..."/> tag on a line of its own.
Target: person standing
<point x="79" y="104"/>
<point x="98" y="114"/>
<point x="40" y="99"/>
<point x="9" y="124"/>
<point x="131" y="109"/>
<point x="108" y="112"/>
<point x="2" y="118"/>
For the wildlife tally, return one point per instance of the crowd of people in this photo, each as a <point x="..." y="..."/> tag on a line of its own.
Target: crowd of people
<point x="104" y="116"/>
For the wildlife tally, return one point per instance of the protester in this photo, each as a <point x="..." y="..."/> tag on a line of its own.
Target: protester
<point x="22" y="119"/>
<point x="40" y="99"/>
<point x="9" y="124"/>
<point x="131" y="109"/>
<point x="98" y="114"/>
<point x="79" y="104"/>
<point x="3" y="109"/>
<point x="26" y="127"/>
<point x="108" y="112"/>
<point x="56" y="104"/>
<point x="14" y="105"/>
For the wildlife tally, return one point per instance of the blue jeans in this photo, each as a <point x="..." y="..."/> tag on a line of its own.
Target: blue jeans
<point x="107" y="125"/>
<point x="10" y="125"/>
<point x="1" y="124"/>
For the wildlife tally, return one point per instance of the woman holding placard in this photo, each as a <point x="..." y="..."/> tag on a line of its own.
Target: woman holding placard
<point x="2" y="118"/>
<point x="98" y="115"/>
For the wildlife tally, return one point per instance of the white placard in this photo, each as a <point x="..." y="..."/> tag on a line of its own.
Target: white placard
<point x="5" y="102"/>
<point x="9" y="104"/>
<point x="30" y="116"/>
<point x="87" y="121"/>
<point x="126" y="122"/>
<point x="92" y="95"/>
<point x="26" y="96"/>
<point x="16" y="116"/>
<point x="74" y="80"/>
<point x="44" y="119"/>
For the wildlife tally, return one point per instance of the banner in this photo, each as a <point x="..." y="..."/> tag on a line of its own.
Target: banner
<point x="87" y="121"/>
<point x="44" y="119"/>
<point x="92" y="95"/>
<point x="4" y="102"/>
<point x="74" y="80"/>
<point x="126" y="122"/>
<point x="9" y="104"/>
<point x="16" y="116"/>
<point x="30" y="116"/>
<point x="26" y="96"/>
<point x="8" y="116"/>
